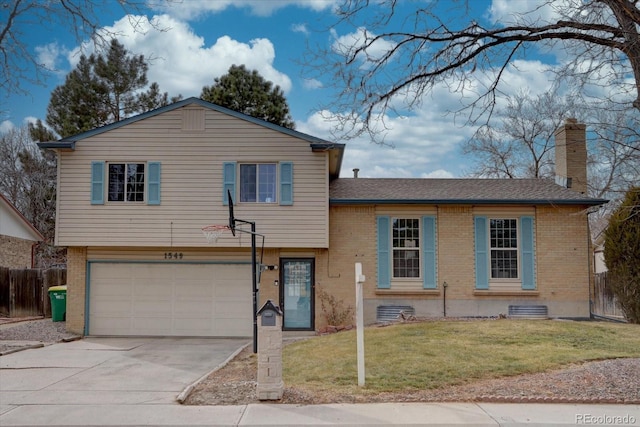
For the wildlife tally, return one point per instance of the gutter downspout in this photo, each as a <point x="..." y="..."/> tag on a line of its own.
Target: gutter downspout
<point x="591" y="273"/>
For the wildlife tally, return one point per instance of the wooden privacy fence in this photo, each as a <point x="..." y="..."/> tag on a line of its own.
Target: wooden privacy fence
<point x="604" y="302"/>
<point x="24" y="293"/>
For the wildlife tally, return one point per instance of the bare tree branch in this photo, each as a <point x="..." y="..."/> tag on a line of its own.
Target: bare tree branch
<point x="19" y="63"/>
<point x="396" y="61"/>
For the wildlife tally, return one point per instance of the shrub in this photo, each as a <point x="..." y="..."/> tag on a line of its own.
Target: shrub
<point x="622" y="254"/>
<point x="334" y="310"/>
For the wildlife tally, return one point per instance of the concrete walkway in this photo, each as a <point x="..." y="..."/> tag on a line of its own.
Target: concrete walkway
<point x="408" y="414"/>
<point x="135" y="381"/>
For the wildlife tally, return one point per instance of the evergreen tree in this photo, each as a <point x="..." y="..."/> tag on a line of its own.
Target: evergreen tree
<point x="622" y="254"/>
<point x="101" y="90"/>
<point x="119" y="75"/>
<point x="74" y="106"/>
<point x="249" y="93"/>
<point x="39" y="132"/>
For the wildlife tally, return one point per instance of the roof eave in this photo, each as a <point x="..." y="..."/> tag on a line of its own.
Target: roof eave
<point x="564" y="202"/>
<point x="58" y="145"/>
<point x="336" y="154"/>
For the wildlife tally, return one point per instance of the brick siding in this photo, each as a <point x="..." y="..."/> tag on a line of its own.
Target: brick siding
<point x="562" y="273"/>
<point x="14" y="252"/>
<point x="76" y="281"/>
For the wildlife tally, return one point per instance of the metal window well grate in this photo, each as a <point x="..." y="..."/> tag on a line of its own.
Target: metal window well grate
<point x="390" y="313"/>
<point x="529" y="311"/>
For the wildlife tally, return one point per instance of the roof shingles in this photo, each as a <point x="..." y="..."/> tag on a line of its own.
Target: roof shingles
<point x="443" y="191"/>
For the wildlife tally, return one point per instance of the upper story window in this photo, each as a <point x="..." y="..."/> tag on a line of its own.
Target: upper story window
<point x="406" y="247"/>
<point x="258" y="182"/>
<point x="126" y="182"/>
<point x="503" y="244"/>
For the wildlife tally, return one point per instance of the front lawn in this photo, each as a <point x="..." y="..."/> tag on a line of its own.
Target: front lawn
<point x="435" y="354"/>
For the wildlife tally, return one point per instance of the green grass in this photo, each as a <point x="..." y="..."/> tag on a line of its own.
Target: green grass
<point x="435" y="354"/>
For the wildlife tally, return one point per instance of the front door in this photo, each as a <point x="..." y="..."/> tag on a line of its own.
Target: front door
<point x="296" y="293"/>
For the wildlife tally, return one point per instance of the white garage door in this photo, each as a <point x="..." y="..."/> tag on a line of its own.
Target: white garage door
<point x="212" y="300"/>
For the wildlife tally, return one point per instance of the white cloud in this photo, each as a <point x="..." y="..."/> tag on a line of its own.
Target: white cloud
<point x="49" y="55"/>
<point x="422" y="143"/>
<point x="6" y="126"/>
<point x="180" y="61"/>
<point x="346" y="45"/>
<point x="33" y="120"/>
<point x="508" y="12"/>
<point x="312" y="84"/>
<point x="440" y="173"/>
<point x="193" y="9"/>
<point x="300" y="28"/>
<point x="427" y="141"/>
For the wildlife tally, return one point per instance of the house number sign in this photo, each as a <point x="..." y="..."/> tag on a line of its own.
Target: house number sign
<point x="173" y="255"/>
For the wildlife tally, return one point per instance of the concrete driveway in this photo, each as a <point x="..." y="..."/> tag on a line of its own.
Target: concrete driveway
<point x="95" y="371"/>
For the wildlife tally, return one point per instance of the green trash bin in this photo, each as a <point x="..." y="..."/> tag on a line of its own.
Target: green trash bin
<point x="58" y="297"/>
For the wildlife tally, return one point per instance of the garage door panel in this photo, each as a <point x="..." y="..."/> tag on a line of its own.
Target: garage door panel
<point x="228" y="307"/>
<point x="231" y="327"/>
<point x="232" y="288"/>
<point x="105" y="325"/>
<point x="196" y="309"/>
<point x="151" y="271"/>
<point x="170" y="299"/>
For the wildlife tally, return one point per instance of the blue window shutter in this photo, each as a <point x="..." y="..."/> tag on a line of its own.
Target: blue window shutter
<point x="429" y="252"/>
<point x="286" y="183"/>
<point x="153" y="183"/>
<point x="97" y="183"/>
<point x="482" y="253"/>
<point x="527" y="253"/>
<point x="384" y="253"/>
<point x="228" y="181"/>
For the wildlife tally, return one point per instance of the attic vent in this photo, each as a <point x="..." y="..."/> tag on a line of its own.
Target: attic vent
<point x="390" y="313"/>
<point x="529" y="311"/>
<point x="193" y="120"/>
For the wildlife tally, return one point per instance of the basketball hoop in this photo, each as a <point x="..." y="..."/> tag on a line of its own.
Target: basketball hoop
<point x="212" y="232"/>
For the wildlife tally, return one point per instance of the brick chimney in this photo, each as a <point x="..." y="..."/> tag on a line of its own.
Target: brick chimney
<point x="571" y="156"/>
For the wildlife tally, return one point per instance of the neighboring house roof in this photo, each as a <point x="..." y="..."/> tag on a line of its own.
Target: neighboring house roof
<point x="317" y="144"/>
<point x="454" y="191"/>
<point x="14" y="224"/>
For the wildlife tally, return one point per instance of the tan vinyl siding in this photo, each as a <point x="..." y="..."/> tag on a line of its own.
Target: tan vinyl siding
<point x="191" y="185"/>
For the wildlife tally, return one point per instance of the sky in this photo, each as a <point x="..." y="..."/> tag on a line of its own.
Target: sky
<point x="203" y="38"/>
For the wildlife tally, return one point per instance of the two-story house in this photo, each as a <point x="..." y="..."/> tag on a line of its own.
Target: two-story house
<point x="133" y="198"/>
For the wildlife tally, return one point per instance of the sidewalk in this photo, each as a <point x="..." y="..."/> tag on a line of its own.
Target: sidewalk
<point x="410" y="414"/>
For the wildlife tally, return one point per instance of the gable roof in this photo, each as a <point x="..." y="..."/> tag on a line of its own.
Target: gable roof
<point x="30" y="232"/>
<point x="183" y="103"/>
<point x="454" y="191"/>
<point x="336" y="150"/>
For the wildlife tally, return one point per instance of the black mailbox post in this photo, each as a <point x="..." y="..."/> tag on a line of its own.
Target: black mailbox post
<point x="268" y="314"/>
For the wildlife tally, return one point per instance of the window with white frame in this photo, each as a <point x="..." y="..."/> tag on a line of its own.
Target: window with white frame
<point x="126" y="182"/>
<point x="258" y="182"/>
<point x="406" y="247"/>
<point x="503" y="244"/>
